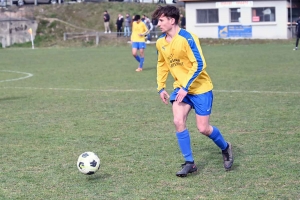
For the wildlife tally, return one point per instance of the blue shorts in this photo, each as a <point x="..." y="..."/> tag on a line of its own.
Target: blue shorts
<point x="202" y="103"/>
<point x="138" y="45"/>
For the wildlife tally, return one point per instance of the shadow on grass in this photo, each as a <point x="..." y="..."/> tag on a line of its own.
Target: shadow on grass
<point x="99" y="176"/>
<point x="11" y="98"/>
<point x="149" y="68"/>
<point x="215" y="156"/>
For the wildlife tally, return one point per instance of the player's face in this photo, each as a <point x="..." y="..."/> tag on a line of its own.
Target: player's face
<point x="165" y="23"/>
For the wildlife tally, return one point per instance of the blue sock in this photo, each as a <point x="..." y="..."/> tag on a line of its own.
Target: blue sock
<point x="218" y="139"/>
<point x="184" y="143"/>
<point x="137" y="58"/>
<point x="142" y="62"/>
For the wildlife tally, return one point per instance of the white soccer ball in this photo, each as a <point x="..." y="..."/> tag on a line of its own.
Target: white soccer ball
<point x="88" y="163"/>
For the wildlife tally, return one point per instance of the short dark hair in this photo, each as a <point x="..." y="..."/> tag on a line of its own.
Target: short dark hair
<point x="137" y="17"/>
<point x="167" y="11"/>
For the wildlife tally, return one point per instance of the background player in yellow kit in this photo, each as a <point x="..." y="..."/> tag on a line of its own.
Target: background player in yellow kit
<point x="139" y="30"/>
<point x="179" y="53"/>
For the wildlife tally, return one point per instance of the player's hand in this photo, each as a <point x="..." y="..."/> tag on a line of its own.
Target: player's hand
<point x="141" y="34"/>
<point x="180" y="95"/>
<point x="164" y="97"/>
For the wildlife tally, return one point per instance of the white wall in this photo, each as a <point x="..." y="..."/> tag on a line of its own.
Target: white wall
<point x="16" y="31"/>
<point x="260" y="30"/>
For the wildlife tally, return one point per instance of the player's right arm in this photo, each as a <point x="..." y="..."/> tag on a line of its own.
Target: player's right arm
<point x="162" y="75"/>
<point x="133" y="32"/>
<point x="164" y="96"/>
<point x="162" y="72"/>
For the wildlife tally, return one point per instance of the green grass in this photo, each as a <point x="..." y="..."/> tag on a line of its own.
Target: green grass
<point x="91" y="99"/>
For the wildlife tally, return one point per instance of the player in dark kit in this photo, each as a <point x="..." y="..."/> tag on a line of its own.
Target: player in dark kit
<point x="297" y="33"/>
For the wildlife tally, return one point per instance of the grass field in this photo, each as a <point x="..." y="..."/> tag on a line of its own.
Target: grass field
<point x="57" y="103"/>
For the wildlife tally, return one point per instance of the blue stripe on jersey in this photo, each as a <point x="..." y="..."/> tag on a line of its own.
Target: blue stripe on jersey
<point x="162" y="35"/>
<point x="196" y="53"/>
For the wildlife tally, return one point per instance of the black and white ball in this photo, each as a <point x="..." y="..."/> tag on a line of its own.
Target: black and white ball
<point x="88" y="163"/>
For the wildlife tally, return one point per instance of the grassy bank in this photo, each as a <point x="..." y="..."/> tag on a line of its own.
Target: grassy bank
<point x="55" y="20"/>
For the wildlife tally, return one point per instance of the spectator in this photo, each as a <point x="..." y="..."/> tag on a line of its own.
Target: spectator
<point x="106" y="19"/>
<point x="127" y="25"/>
<point x="154" y="23"/>
<point x="182" y="21"/>
<point x="143" y="19"/>
<point x="162" y="1"/>
<point x="119" y="24"/>
<point x="150" y="28"/>
<point x="297" y="33"/>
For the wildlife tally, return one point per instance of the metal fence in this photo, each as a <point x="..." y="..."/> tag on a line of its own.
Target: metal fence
<point x="87" y="36"/>
<point x="292" y="31"/>
<point x="101" y="37"/>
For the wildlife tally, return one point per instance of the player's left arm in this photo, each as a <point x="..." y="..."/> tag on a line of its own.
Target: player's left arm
<point x="145" y="30"/>
<point x="195" y="57"/>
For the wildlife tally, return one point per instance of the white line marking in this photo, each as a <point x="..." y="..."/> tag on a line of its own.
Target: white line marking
<point x="78" y="89"/>
<point x="149" y="89"/>
<point x="16" y="79"/>
<point x="255" y="91"/>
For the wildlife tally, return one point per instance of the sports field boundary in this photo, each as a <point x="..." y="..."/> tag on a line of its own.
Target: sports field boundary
<point x="147" y="90"/>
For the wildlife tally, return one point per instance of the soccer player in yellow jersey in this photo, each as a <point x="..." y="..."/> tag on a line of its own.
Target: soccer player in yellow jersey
<point x="139" y="30"/>
<point x="179" y="52"/>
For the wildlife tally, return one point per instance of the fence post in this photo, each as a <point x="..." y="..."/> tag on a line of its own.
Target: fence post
<point x="97" y="38"/>
<point x="65" y="36"/>
<point x="3" y="42"/>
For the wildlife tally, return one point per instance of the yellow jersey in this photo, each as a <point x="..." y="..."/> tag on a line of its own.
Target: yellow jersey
<point x="138" y="28"/>
<point x="183" y="58"/>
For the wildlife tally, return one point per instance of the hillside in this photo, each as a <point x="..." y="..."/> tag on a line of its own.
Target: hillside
<point x="55" y="20"/>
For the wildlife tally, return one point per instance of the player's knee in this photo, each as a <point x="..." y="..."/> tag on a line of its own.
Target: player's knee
<point x="179" y="124"/>
<point x="134" y="54"/>
<point x="204" y="129"/>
